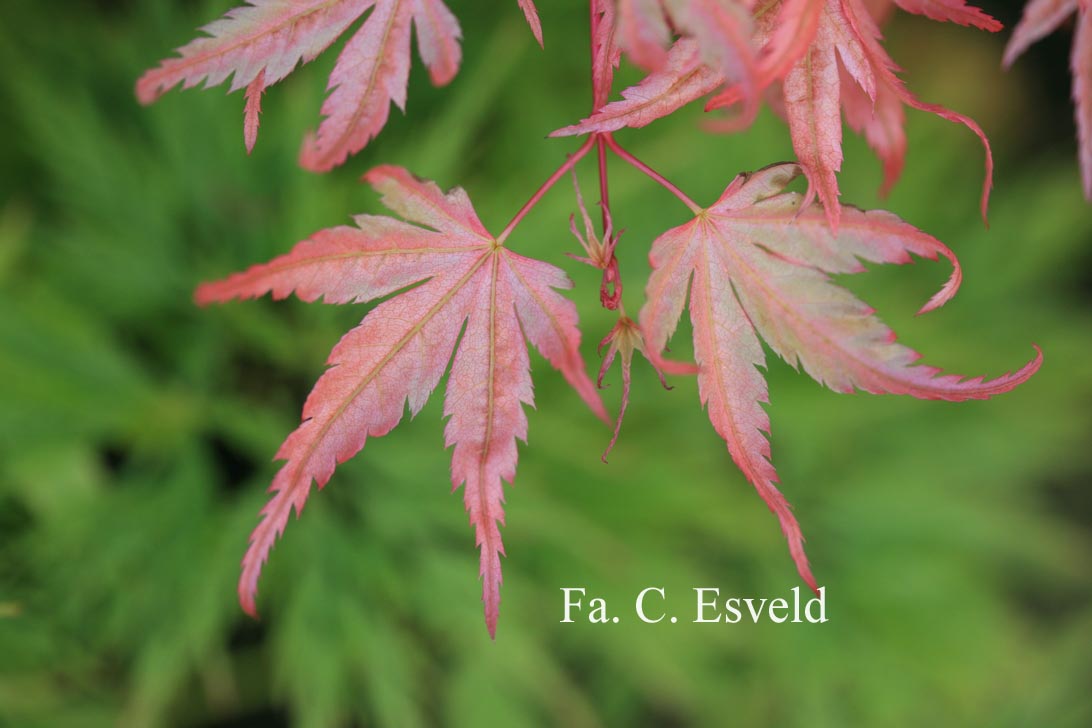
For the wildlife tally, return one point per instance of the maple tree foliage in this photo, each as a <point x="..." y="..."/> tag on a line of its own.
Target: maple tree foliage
<point x="816" y="59"/>
<point x="398" y="353"/>
<point x="754" y="266"/>
<point x="260" y="43"/>
<point x="758" y="263"/>
<point x="1042" y="17"/>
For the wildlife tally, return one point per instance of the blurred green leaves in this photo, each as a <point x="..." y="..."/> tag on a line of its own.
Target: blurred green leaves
<point x="136" y="430"/>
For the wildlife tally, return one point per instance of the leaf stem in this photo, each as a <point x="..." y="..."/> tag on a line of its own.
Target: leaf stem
<point x="550" y="182"/>
<point x="653" y="174"/>
<point x="597" y="103"/>
<point x="604" y="196"/>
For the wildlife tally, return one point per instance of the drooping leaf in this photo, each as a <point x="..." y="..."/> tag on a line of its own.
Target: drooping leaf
<point x="811" y="94"/>
<point x="758" y="263"/>
<point x="398" y="353"/>
<point x="882" y="122"/>
<point x="827" y="57"/>
<point x="848" y="30"/>
<point x="260" y="43"/>
<point x="1042" y="17"/>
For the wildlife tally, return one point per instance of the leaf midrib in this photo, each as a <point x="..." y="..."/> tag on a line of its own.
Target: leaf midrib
<point x="378" y="368"/>
<point x="373" y="78"/>
<point x="184" y="62"/>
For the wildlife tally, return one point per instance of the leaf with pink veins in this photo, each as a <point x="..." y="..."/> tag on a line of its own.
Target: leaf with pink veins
<point x="868" y="90"/>
<point x="270" y="36"/>
<point x="787" y="37"/>
<point x="848" y="30"/>
<point x="758" y="263"/>
<point x="261" y="42"/>
<point x="448" y="273"/>
<point x="867" y="34"/>
<point x="438" y="36"/>
<point x="681" y="77"/>
<point x="371" y="73"/>
<point x="811" y="93"/>
<point x="783" y="33"/>
<point x="824" y="53"/>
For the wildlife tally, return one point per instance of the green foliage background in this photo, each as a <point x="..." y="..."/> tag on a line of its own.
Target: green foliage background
<point x="136" y="431"/>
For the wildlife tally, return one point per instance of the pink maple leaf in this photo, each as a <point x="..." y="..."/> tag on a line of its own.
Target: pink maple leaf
<point x="261" y="42"/>
<point x="398" y="353"/>
<point x="758" y="263"/>
<point x="846" y="67"/>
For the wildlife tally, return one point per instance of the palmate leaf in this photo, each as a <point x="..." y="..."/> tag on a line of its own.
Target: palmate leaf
<point x="758" y="263"/>
<point x="400" y="350"/>
<point x="827" y="57"/>
<point x="260" y="43"/>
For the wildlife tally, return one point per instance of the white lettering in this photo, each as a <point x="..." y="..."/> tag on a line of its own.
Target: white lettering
<point x="641" y="604"/>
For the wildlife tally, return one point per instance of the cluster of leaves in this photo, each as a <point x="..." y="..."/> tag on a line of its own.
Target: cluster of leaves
<point x="758" y="262"/>
<point x="136" y="432"/>
<point x="258" y="44"/>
